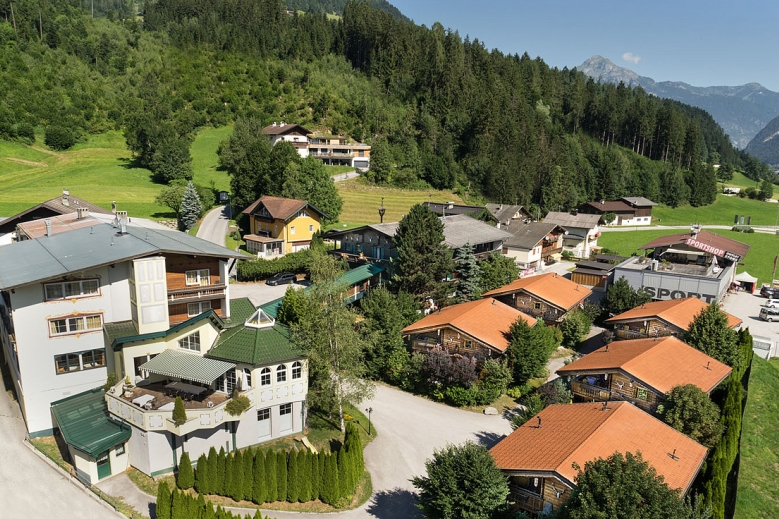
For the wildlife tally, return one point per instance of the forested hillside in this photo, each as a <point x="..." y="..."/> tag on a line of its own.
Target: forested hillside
<point x="439" y="110"/>
<point x="337" y="6"/>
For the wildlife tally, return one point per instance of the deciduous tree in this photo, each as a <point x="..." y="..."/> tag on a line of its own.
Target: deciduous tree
<point x="172" y="197"/>
<point x="497" y="270"/>
<point x="529" y="349"/>
<point x="711" y="333"/>
<point x="621" y="297"/>
<point x="690" y="411"/>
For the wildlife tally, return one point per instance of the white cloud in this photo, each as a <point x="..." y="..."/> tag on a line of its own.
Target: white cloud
<point x="632" y="58"/>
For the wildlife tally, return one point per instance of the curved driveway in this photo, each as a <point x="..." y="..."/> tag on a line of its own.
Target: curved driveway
<point x="214" y="225"/>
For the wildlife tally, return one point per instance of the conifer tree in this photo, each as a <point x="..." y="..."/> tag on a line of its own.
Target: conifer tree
<point x="212" y="473"/>
<point x="191" y="506"/>
<point x="320" y="472"/>
<point x="209" y="512"/>
<point x="248" y="474"/>
<point x="185" y="477"/>
<point x="201" y="475"/>
<point x="330" y="484"/>
<point x="177" y="510"/>
<point x="423" y="257"/>
<point x="258" y="488"/>
<point x="191" y="207"/>
<point x="281" y="474"/>
<point x="163" y="501"/>
<point x="272" y="489"/>
<point x="304" y="476"/>
<point x="257" y="515"/>
<point x="468" y="274"/>
<point x="344" y="473"/>
<point x="179" y="413"/>
<point x="236" y="491"/>
<point x="229" y="473"/>
<point x="220" y="513"/>
<point x="219" y="478"/>
<point x="293" y="475"/>
<point x="201" y="507"/>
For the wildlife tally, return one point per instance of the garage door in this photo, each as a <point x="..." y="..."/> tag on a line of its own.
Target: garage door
<point x="360" y="163"/>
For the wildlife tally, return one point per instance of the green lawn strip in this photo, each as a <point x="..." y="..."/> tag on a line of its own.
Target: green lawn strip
<point x="758" y="262"/>
<point x="336" y="170"/>
<point x="362" y="201"/>
<point x="205" y="159"/>
<point x="759" y="462"/>
<point x="721" y="212"/>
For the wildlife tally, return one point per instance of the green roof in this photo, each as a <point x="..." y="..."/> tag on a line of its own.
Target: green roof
<point x="84" y="422"/>
<point x="189" y="366"/>
<point x="119" y="330"/>
<point x="256" y="346"/>
<point x="119" y="339"/>
<point x="272" y="308"/>
<point x="240" y="310"/>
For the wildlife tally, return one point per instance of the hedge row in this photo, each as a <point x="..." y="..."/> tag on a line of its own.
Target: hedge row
<point x="180" y="505"/>
<point x="256" y="270"/>
<point x="265" y="476"/>
<point x="720" y="463"/>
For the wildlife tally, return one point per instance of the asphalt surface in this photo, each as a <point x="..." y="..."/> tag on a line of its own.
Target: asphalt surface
<point x="260" y="293"/>
<point x="214" y="225"/>
<point x="29" y="487"/>
<point x="746" y="307"/>
<point x="345" y="176"/>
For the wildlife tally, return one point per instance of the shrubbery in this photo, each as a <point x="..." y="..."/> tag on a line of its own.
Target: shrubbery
<point x="182" y="505"/>
<point x="260" y="269"/>
<point x="58" y="138"/>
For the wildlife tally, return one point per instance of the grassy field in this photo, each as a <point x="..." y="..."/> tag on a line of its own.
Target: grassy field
<point x="759" y="464"/>
<point x="362" y="201"/>
<point x="205" y="160"/>
<point x="758" y="262"/>
<point x="721" y="212"/>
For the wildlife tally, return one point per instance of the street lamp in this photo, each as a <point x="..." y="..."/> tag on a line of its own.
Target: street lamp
<point x="382" y="210"/>
<point x="369" y="410"/>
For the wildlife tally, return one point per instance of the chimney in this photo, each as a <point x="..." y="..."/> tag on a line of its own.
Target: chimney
<point x="121" y="217"/>
<point x="81" y="213"/>
<point x="539" y="422"/>
<point x="48" y="227"/>
<point x="65" y="197"/>
<point x="602" y="202"/>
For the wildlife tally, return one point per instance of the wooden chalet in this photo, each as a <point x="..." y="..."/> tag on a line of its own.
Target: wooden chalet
<point x="642" y="372"/>
<point x="476" y="329"/>
<point x="661" y="318"/>
<point x="547" y="296"/>
<point x="538" y="457"/>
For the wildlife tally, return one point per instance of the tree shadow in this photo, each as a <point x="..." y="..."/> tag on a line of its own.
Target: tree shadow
<point x="170" y="215"/>
<point x="394" y="504"/>
<point x="591" y="344"/>
<point x="152" y="509"/>
<point x="130" y="163"/>
<point x="489" y="439"/>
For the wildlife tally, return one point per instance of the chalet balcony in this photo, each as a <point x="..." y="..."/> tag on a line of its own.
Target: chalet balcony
<point x="332" y="155"/>
<point x="525" y="499"/>
<point x="187" y="295"/>
<point x="541" y="314"/>
<point x="636" y="334"/>
<point x="593" y="392"/>
<point x="548" y="251"/>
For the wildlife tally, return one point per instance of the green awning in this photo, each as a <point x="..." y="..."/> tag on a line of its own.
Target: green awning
<point x="188" y="366"/>
<point x="84" y="423"/>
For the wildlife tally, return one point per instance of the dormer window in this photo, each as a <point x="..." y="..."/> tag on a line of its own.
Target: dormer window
<point x="260" y="319"/>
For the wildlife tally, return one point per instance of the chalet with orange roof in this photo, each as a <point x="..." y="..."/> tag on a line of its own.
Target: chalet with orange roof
<point x="279" y="226"/>
<point x="548" y="296"/>
<point x="538" y="457"/>
<point x="642" y="371"/>
<point x="661" y="318"/>
<point x="476" y="329"/>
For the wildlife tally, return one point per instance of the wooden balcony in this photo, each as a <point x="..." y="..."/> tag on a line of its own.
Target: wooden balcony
<point x="636" y="334"/>
<point x="525" y="499"/>
<point x="597" y="393"/>
<point x="197" y="294"/>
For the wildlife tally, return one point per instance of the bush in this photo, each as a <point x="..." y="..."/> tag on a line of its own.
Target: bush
<point x="495" y="377"/>
<point x="567" y="255"/>
<point x="461" y="396"/>
<point x="534" y="404"/>
<point x="575" y="327"/>
<point x="296" y="262"/>
<point x="58" y="138"/>
<point x="238" y="404"/>
<point x="26" y="132"/>
<point x="179" y="413"/>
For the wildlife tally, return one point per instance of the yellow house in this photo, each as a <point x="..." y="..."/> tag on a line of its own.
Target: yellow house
<point x="278" y="226"/>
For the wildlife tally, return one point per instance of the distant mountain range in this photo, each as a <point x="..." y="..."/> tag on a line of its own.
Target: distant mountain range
<point x="742" y="111"/>
<point x="765" y="145"/>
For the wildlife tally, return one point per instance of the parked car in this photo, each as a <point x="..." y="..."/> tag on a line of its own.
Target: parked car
<point x="769" y="314"/>
<point x="772" y="303"/>
<point x="772" y="293"/>
<point x="282" y="278"/>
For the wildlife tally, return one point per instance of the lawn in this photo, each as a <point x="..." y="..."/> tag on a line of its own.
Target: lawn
<point x="758" y="262"/>
<point x="362" y="201"/>
<point x="205" y="159"/>
<point x="739" y="180"/>
<point x="759" y="464"/>
<point x="721" y="212"/>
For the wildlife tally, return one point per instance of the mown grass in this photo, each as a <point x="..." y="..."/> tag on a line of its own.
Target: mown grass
<point x="758" y="262"/>
<point x="759" y="463"/>
<point x="721" y="212"/>
<point x="205" y="159"/>
<point x="739" y="180"/>
<point x="362" y="201"/>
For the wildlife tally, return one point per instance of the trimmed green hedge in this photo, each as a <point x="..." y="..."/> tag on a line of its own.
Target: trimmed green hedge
<point x="259" y="269"/>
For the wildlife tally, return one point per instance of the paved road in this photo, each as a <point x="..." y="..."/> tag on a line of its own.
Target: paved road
<point x="746" y="307"/>
<point x="213" y="228"/>
<point x="29" y="487"/>
<point x="260" y="293"/>
<point x="345" y="176"/>
<point x="410" y="430"/>
<point x="632" y="228"/>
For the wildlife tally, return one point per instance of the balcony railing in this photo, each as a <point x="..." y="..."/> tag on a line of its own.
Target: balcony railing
<point x="525" y="499"/>
<point x="635" y="334"/>
<point x="332" y="154"/>
<point x="545" y="315"/>
<point x="207" y="292"/>
<point x="600" y="394"/>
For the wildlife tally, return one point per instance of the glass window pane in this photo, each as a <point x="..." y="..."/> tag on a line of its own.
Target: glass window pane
<point x="99" y="357"/>
<point x="73" y="362"/>
<point x="90" y="286"/>
<point x="205" y="278"/>
<point x="61" y="363"/>
<point x="54" y="291"/>
<point x="72" y="289"/>
<point x="93" y="322"/>
<point x="191" y="277"/>
<point x="58" y="326"/>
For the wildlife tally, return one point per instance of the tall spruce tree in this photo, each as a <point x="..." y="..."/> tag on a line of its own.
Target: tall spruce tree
<point x="281" y="475"/>
<point x="270" y="477"/>
<point x="229" y="473"/>
<point x="423" y="257"/>
<point x="191" y="207"/>
<point x="218" y="486"/>
<point x="468" y="272"/>
<point x="179" y="413"/>
<point x="185" y="478"/>
<point x="258" y="488"/>
<point x="304" y="473"/>
<point x="212" y="471"/>
<point x="163" y="501"/>
<point x="293" y="478"/>
<point x="236" y="488"/>
<point x="248" y="474"/>
<point x="201" y="475"/>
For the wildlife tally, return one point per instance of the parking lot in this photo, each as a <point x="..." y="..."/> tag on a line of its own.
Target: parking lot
<point x="260" y="293"/>
<point x="746" y="307"/>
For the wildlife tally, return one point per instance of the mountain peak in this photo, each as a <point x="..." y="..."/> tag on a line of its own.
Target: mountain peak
<point x="606" y="71"/>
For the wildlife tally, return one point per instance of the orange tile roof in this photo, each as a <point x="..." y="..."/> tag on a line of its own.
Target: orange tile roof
<point x="662" y="364"/>
<point x="556" y="289"/>
<point x="678" y="312"/>
<point x="578" y="433"/>
<point x="487" y="320"/>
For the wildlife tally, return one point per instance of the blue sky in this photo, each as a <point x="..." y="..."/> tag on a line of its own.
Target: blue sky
<point x="703" y="43"/>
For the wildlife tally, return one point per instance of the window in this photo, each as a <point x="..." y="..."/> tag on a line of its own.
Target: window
<point x="281" y="373"/>
<point x="292" y="230"/>
<point x="119" y="450"/>
<point x="468" y="345"/>
<point x="537" y="306"/>
<point x="198" y="277"/>
<point x="285" y="409"/>
<point x="190" y="342"/>
<point x="297" y="370"/>
<point x="311" y="228"/>
<point x="80" y="361"/>
<point x="230" y="380"/>
<point x="263" y="422"/>
<point x="70" y="289"/>
<point x="77" y="324"/>
<point x="641" y="393"/>
<point x="265" y="377"/>
<point x="263" y="414"/>
<point x="194" y="309"/>
<point x="247" y="376"/>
